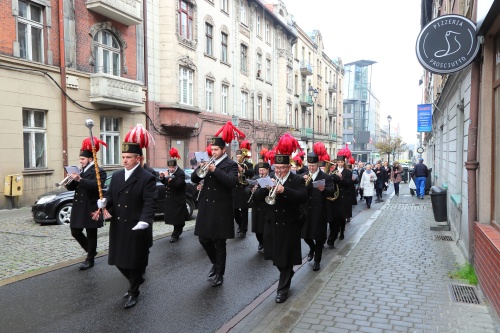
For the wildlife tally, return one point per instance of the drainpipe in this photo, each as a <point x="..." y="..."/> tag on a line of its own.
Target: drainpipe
<point x="62" y="61"/>
<point x="149" y="151"/>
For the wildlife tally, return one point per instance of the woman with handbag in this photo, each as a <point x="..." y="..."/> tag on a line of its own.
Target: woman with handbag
<point x="396" y="178"/>
<point x="367" y="184"/>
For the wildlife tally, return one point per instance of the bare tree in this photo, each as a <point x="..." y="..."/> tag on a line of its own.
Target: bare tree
<point x="393" y="146"/>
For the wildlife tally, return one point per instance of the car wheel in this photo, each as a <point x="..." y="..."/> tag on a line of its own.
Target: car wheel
<point x="63" y="214"/>
<point x="189" y="209"/>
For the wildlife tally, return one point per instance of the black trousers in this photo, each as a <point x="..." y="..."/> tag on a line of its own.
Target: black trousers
<point x="134" y="277"/>
<point x="286" y="274"/>
<point x="317" y="247"/>
<point x="88" y="243"/>
<point x="241" y="218"/>
<point x="260" y="237"/>
<point x="379" y="188"/>
<point x="396" y="188"/>
<point x="336" y="225"/>
<point x="216" y="251"/>
<point x="178" y="228"/>
<point x="368" y="200"/>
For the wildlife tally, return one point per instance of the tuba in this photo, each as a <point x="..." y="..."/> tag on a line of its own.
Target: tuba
<point x="337" y="190"/>
<point x="241" y="175"/>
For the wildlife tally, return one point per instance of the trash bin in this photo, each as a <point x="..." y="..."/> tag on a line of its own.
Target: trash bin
<point x="438" y="200"/>
<point x="404" y="175"/>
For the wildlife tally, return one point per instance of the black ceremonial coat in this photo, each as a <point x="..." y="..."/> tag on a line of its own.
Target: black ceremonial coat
<point x="129" y="202"/>
<point x="339" y="208"/>
<point x="315" y="226"/>
<point x="215" y="217"/>
<point x="259" y="210"/>
<point x="282" y="228"/>
<point x="85" y="199"/>
<point x="240" y="197"/>
<point x="175" y="198"/>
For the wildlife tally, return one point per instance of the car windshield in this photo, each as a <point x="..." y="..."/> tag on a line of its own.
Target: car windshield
<point x="109" y="175"/>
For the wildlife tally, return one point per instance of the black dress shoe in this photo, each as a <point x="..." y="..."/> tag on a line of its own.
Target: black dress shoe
<point x="260" y="248"/>
<point x="331" y="246"/>
<point x="310" y="256"/>
<point x="86" y="265"/>
<point x="218" y="281"/>
<point x="280" y="298"/>
<point x="174" y="239"/>
<point x="242" y="234"/>
<point x="316" y="266"/>
<point x="212" y="272"/>
<point x="341" y="236"/>
<point x="131" y="302"/>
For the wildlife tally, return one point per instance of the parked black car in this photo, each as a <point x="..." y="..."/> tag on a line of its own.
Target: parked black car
<point x="55" y="206"/>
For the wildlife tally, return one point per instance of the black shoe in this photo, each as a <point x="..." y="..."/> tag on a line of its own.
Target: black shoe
<point x="280" y="298"/>
<point x="86" y="265"/>
<point x="316" y="266"/>
<point x="174" y="239"/>
<point x="131" y="302"/>
<point x="218" y="280"/>
<point x="397" y="194"/>
<point x="369" y="206"/>
<point x="212" y="272"/>
<point x="242" y="234"/>
<point x="260" y="248"/>
<point x="331" y="246"/>
<point x="341" y="236"/>
<point x="310" y="256"/>
<point x="347" y="220"/>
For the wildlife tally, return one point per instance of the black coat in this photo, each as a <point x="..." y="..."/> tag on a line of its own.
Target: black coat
<point x="175" y="198"/>
<point x="85" y="199"/>
<point x="381" y="177"/>
<point x="215" y="207"/>
<point x="240" y="196"/>
<point x="129" y="202"/>
<point x="259" y="211"/>
<point x="283" y="226"/>
<point x="315" y="226"/>
<point x="339" y="209"/>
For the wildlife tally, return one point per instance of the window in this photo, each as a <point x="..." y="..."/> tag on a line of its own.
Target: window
<point x="110" y="133"/>
<point x="209" y="95"/>
<point x="268" y="33"/>
<point x="288" y="77"/>
<point x="258" y="28"/>
<point x="244" y="104"/>
<point x="224" y="4"/>
<point x="288" y="114"/>
<point x="223" y="49"/>
<point x="209" y="39"/>
<point x="348" y="123"/>
<point x="259" y="108"/>
<point x="244" y="58"/>
<point x="107" y="53"/>
<point x="296" y="119"/>
<point x="243" y="13"/>
<point x="34" y="132"/>
<point x="186" y="19"/>
<point x="186" y="85"/>
<point x="223" y="102"/>
<point x="259" y="65"/>
<point x="268" y="70"/>
<point x="268" y="110"/>
<point x="30" y="31"/>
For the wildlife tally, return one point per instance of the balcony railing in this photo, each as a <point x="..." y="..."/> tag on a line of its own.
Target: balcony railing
<point x="332" y="112"/>
<point x="306" y="68"/>
<point x="306" y="133"/>
<point x="127" y="12"/>
<point x="332" y="87"/>
<point x="114" y="90"/>
<point x="306" y="100"/>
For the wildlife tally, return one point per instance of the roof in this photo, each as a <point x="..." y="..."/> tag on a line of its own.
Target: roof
<point x="362" y="63"/>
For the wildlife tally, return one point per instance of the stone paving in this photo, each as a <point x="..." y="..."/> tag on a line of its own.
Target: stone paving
<point x="391" y="276"/>
<point x="28" y="247"/>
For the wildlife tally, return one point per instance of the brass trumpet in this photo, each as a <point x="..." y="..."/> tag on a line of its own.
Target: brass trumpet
<point x="337" y="190"/>
<point x="202" y="171"/>
<point x="271" y="198"/>
<point x="68" y="179"/>
<point x="309" y="178"/>
<point x="241" y="175"/>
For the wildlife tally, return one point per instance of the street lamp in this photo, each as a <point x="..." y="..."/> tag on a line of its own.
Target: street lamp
<point x="389" y="118"/>
<point x="314" y="94"/>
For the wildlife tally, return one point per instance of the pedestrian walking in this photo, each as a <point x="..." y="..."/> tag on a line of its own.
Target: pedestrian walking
<point x="396" y="178"/>
<point x="380" y="183"/>
<point x="367" y="184"/>
<point x="84" y="201"/>
<point x="175" y="195"/>
<point x="420" y="172"/>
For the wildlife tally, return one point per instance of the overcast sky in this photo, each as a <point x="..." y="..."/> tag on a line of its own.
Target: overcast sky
<point x="384" y="31"/>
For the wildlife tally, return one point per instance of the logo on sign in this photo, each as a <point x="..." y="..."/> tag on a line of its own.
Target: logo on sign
<point x="447" y="44"/>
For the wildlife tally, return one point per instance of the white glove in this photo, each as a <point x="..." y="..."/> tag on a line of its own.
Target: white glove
<point x="101" y="203"/>
<point x="140" y="225"/>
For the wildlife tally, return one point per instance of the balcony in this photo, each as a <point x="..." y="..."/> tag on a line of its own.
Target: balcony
<point x="306" y="100"/>
<point x="127" y="12"/>
<point x="306" y="68"/>
<point x="332" y="112"/>
<point x="116" y="91"/>
<point x="332" y="87"/>
<point x="306" y="133"/>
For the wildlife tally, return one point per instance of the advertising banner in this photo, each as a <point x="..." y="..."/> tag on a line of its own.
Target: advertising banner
<point x="424" y="118"/>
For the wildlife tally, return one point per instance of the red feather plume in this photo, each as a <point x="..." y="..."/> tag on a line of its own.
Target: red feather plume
<point x="230" y="132"/>
<point x="297" y="160"/>
<point x="287" y="145"/>
<point x="324" y="157"/>
<point x="245" y="144"/>
<point x="352" y="160"/>
<point x="319" y="148"/>
<point x="174" y="153"/>
<point x="209" y="150"/>
<point x="87" y="144"/>
<point x="263" y="152"/>
<point x="140" y="135"/>
<point x="270" y="156"/>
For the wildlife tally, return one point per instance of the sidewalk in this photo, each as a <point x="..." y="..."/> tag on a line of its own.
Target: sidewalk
<point x="391" y="275"/>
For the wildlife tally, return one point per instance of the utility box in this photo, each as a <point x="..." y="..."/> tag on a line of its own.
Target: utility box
<point x="14" y="185"/>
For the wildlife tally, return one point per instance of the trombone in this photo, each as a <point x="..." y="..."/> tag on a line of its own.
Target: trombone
<point x="202" y="171"/>
<point x="271" y="198"/>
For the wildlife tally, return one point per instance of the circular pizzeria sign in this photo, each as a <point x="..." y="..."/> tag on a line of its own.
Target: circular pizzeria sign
<point x="447" y="44"/>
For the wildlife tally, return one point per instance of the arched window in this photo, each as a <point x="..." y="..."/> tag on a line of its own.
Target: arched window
<point x="107" y="53"/>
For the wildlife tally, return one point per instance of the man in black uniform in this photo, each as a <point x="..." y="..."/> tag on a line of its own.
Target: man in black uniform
<point x="315" y="229"/>
<point x="175" y="198"/>
<point x="132" y="200"/>
<point x="84" y="203"/>
<point x="283" y="226"/>
<point x="214" y="223"/>
<point x="240" y="197"/>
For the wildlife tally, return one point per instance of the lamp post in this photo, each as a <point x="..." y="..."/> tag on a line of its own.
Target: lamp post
<point x="389" y="118"/>
<point x="314" y="95"/>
